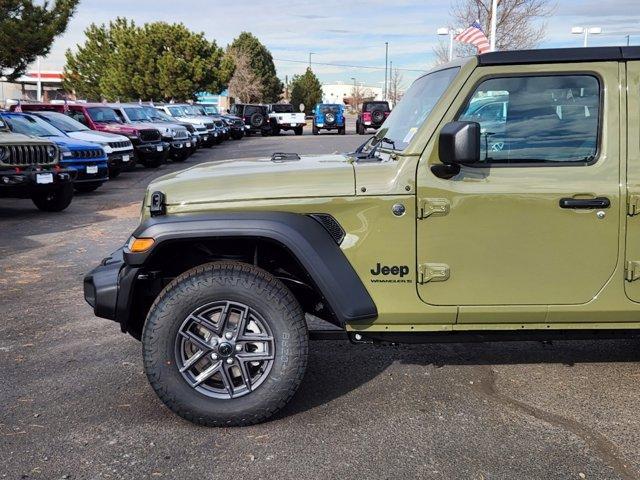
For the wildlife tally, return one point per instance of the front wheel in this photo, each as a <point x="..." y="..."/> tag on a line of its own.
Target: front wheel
<point x="315" y="130"/>
<point x="87" y="187"/>
<point x="152" y="162"/>
<point x="54" y="200"/>
<point x="225" y="344"/>
<point x="298" y="130"/>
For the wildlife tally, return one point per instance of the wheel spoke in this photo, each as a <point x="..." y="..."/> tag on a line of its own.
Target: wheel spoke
<point x="246" y="377"/>
<point x="196" y="340"/>
<point x="254" y="356"/>
<point x="207" y="373"/>
<point x="204" y="323"/>
<point x="226" y="379"/>
<point x="255" y="337"/>
<point x="242" y="323"/>
<point x="193" y="359"/>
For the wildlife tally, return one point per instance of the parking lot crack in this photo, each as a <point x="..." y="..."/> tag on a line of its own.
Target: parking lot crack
<point x="604" y="448"/>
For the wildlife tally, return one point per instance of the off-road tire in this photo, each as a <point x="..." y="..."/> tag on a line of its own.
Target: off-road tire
<point x="87" y="187"/>
<point x="275" y="131"/>
<point x="342" y="130"/>
<point x="114" y="172"/>
<point x="256" y="120"/>
<point x="155" y="163"/>
<point x="298" y="130"/>
<point x="54" y="200"/>
<point x="181" y="156"/>
<point x="315" y="130"/>
<point x="230" y="281"/>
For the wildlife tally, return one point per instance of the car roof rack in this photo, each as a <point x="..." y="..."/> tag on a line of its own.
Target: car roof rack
<point x="560" y="55"/>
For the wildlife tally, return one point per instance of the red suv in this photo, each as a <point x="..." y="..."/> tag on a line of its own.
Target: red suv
<point x="373" y="115"/>
<point x="147" y="142"/>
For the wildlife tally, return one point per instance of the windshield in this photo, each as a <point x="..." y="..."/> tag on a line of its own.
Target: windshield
<point x="103" y="115"/>
<point x="211" y="110"/>
<point x="416" y="105"/>
<point x="283" y="108"/>
<point x="32" y="126"/>
<point x="197" y="110"/>
<point x="155" y="114"/>
<point x="136" y="114"/>
<point x="177" y="111"/>
<point x="63" y="122"/>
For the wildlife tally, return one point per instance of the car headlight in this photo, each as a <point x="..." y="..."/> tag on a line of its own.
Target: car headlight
<point x="132" y="136"/>
<point x="171" y="132"/>
<point x="52" y="152"/>
<point x="106" y="148"/>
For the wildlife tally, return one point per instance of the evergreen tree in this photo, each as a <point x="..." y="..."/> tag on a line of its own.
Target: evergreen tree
<point x="27" y="30"/>
<point x="306" y="89"/>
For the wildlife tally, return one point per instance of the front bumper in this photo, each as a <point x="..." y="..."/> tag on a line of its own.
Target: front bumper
<point x="25" y="183"/>
<point x="88" y="172"/>
<point x="152" y="150"/>
<point x="108" y="288"/>
<point x="121" y="159"/>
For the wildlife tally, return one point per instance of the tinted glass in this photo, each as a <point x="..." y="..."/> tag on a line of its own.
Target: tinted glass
<point x="283" y="108"/>
<point x="329" y="108"/>
<point x="136" y="114"/>
<point x="77" y="116"/>
<point x="177" y="111"/>
<point x="63" y="122"/>
<point x="102" y="114"/>
<point x="416" y="105"/>
<point x="371" y="106"/>
<point x="28" y="125"/>
<point x="211" y="110"/>
<point x="536" y="119"/>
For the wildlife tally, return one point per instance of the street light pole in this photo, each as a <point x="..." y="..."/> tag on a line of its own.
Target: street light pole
<point x="586" y="31"/>
<point x="494" y="25"/>
<point x="311" y="53"/>
<point x="386" y="63"/>
<point x="452" y="32"/>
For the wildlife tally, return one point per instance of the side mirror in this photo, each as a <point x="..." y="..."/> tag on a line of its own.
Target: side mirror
<point x="459" y="143"/>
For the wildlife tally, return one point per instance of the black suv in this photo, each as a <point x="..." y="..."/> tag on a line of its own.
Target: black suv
<point x="373" y="115"/>
<point x="255" y="117"/>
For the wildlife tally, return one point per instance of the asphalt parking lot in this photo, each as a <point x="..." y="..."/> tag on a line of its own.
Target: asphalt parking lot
<point x="75" y="403"/>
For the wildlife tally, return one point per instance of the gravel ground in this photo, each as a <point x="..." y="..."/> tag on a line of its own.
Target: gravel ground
<point x="75" y="403"/>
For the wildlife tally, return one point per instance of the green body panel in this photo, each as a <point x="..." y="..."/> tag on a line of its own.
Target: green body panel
<point x="515" y="259"/>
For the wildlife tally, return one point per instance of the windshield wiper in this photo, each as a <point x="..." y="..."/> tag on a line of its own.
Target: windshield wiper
<point x="388" y="141"/>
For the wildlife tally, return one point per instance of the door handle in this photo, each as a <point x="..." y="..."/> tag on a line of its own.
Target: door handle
<point x="585" y="203"/>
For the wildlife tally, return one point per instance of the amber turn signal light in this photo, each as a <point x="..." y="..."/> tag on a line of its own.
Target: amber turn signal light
<point x="137" y="245"/>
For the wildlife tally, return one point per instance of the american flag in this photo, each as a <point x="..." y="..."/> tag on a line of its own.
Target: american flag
<point x="65" y="107"/>
<point x="475" y="36"/>
<point x="18" y="107"/>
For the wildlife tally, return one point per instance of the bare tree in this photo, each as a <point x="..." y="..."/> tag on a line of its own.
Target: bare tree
<point x="395" y="86"/>
<point x="360" y="94"/>
<point x="245" y="84"/>
<point x="520" y="24"/>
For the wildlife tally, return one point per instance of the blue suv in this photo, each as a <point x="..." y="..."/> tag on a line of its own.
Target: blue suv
<point x="329" y="116"/>
<point x="87" y="159"/>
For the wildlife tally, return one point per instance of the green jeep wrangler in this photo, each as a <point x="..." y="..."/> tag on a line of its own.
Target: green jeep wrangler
<point x="456" y="222"/>
<point x="29" y="168"/>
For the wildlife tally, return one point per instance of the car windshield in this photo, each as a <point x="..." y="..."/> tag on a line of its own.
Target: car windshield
<point x="416" y="105"/>
<point x="330" y="108"/>
<point x="103" y="115"/>
<point x="197" y="110"/>
<point x="370" y="107"/>
<point x="35" y="126"/>
<point x="287" y="108"/>
<point x="156" y="115"/>
<point x="136" y="114"/>
<point x="177" y="111"/>
<point x="63" y="122"/>
<point x="210" y="110"/>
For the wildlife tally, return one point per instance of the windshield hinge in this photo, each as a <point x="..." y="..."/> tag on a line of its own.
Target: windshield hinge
<point x="431" y="207"/>
<point x="633" y="206"/>
<point x="433" y="272"/>
<point x="632" y="271"/>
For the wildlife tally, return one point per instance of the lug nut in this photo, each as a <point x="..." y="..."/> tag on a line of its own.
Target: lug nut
<point x="238" y="348"/>
<point x="228" y="335"/>
<point x="214" y="356"/>
<point x="229" y="361"/>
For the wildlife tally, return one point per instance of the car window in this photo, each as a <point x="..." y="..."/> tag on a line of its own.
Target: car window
<point x="370" y="107"/>
<point x="63" y="122"/>
<point x="28" y="125"/>
<point x="77" y="116"/>
<point x="176" y="111"/>
<point x="250" y="110"/>
<point x="136" y="114"/>
<point x="102" y="114"/>
<point x="416" y="105"/>
<point x="329" y="109"/>
<point x="282" y="108"/>
<point x="211" y="109"/>
<point x="536" y="119"/>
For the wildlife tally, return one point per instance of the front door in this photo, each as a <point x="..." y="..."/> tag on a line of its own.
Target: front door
<point x="537" y="222"/>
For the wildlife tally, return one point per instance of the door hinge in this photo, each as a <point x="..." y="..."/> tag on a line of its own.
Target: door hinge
<point x="632" y="271"/>
<point x="433" y="272"/>
<point x="633" y="205"/>
<point x="430" y="207"/>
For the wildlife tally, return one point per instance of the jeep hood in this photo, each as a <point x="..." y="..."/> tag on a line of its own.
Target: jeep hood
<point x="258" y="178"/>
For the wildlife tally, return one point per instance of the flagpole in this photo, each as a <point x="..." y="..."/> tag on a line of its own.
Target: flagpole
<point x="494" y="24"/>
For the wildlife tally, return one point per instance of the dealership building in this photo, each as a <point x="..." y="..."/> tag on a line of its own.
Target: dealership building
<point x="341" y="92"/>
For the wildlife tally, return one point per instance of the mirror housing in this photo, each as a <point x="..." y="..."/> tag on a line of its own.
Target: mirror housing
<point x="459" y="143"/>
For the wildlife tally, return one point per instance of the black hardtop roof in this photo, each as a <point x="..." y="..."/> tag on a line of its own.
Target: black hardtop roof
<point x="560" y="55"/>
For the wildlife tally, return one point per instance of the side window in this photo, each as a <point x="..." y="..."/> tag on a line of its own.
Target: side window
<point x="119" y="114"/>
<point x="536" y="119"/>
<point x="78" y="116"/>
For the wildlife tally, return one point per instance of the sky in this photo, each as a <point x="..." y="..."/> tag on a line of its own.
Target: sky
<point x="346" y="32"/>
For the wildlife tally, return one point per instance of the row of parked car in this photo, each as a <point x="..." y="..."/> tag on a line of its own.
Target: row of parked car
<point x="48" y="151"/>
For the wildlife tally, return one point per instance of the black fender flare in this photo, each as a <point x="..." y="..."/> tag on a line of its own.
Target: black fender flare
<point x="306" y="238"/>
